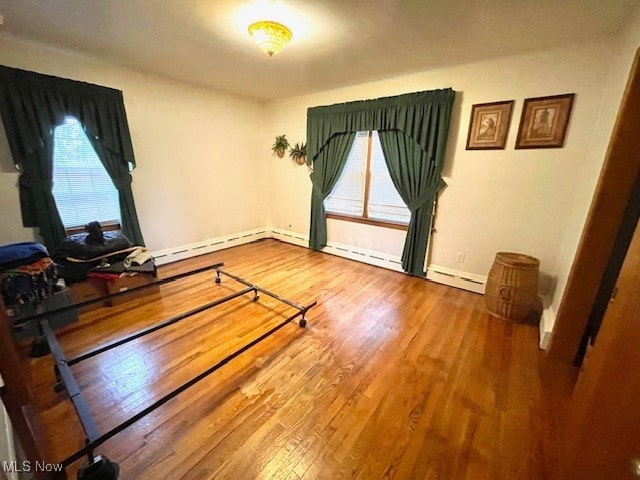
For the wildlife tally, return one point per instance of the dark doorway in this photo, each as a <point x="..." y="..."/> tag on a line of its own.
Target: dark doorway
<point x="610" y="277"/>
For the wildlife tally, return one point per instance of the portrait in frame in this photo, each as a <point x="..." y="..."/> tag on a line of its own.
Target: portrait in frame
<point x="489" y="125"/>
<point x="544" y="121"/>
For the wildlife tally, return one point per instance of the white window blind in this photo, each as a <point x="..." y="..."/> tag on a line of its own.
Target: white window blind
<point x="384" y="200"/>
<point x="82" y="188"/>
<point x="348" y="196"/>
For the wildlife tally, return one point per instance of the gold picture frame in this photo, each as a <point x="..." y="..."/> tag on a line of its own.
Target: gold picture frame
<point x="544" y="121"/>
<point x="489" y="125"/>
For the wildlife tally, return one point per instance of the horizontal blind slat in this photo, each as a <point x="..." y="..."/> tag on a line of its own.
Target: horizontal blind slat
<point x="347" y="196"/>
<point x="385" y="202"/>
<point x="82" y="188"/>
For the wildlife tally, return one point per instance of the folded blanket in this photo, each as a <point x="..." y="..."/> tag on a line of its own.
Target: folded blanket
<point x="18" y="254"/>
<point x="138" y="257"/>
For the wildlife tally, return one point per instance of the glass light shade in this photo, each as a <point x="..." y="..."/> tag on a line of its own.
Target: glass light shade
<point x="270" y="36"/>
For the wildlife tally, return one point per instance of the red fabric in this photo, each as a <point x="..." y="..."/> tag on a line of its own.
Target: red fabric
<point x="108" y="277"/>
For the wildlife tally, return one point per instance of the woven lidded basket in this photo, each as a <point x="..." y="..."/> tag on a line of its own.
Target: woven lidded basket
<point x="512" y="286"/>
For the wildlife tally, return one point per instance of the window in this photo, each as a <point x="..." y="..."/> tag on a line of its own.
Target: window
<point x="82" y="187"/>
<point x="364" y="192"/>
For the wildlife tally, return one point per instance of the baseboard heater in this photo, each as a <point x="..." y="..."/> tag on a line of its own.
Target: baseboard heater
<point x="456" y="278"/>
<point x="447" y="276"/>
<point x="171" y="255"/>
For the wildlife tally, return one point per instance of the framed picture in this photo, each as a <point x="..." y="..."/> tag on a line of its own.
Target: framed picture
<point x="489" y="125"/>
<point x="544" y="121"/>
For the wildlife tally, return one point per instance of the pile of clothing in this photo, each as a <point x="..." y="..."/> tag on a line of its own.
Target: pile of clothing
<point x="103" y="255"/>
<point x="28" y="273"/>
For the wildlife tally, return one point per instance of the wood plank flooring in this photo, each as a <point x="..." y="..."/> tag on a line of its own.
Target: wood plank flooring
<point x="394" y="377"/>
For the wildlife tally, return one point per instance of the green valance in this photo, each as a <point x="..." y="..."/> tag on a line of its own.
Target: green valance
<point x="410" y="113"/>
<point x="33" y="104"/>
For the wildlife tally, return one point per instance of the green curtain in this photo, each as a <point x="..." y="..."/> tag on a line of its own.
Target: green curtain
<point x="423" y="119"/>
<point x="416" y="176"/>
<point x="39" y="207"/>
<point x="327" y="169"/>
<point x="31" y="106"/>
<point x="121" y="178"/>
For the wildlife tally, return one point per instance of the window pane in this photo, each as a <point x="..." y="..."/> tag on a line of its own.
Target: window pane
<point x="384" y="201"/>
<point x="81" y="186"/>
<point x="347" y="197"/>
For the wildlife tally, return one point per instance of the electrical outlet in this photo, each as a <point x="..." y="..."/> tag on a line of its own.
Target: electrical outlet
<point x="460" y="257"/>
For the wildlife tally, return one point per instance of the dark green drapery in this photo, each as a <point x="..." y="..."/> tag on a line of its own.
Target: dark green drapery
<point x="121" y="178"/>
<point x="327" y="169"/>
<point x="36" y="200"/>
<point x="420" y="123"/>
<point x="31" y="106"/>
<point x="417" y="182"/>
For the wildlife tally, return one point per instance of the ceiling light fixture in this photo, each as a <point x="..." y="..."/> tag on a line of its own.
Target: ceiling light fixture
<point x="270" y="36"/>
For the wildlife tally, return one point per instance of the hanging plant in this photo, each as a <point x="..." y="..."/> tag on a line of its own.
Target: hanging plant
<point x="280" y="146"/>
<point x="299" y="153"/>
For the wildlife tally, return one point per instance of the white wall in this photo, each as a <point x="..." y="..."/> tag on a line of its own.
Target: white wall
<point x="204" y="167"/>
<point x="199" y="174"/>
<point x="622" y="54"/>
<point x="516" y="200"/>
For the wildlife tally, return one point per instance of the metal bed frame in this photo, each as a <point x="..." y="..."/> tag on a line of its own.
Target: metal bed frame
<point x="66" y="380"/>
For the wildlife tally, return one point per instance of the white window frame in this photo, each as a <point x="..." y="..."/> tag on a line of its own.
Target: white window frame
<point x="107" y="223"/>
<point x="364" y="218"/>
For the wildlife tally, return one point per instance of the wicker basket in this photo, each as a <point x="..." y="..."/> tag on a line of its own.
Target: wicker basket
<point x="512" y="286"/>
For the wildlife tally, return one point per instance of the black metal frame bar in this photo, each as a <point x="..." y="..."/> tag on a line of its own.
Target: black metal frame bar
<point x="255" y="287"/>
<point x="146" y="331"/>
<point x="103" y="298"/>
<point x="69" y="381"/>
<point x="66" y="378"/>
<point x="91" y="445"/>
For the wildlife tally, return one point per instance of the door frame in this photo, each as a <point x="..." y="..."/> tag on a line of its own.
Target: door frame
<point x="617" y="177"/>
<point x="17" y="398"/>
<point x="600" y="438"/>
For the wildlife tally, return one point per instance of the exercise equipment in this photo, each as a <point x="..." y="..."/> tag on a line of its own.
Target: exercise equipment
<point x="99" y="467"/>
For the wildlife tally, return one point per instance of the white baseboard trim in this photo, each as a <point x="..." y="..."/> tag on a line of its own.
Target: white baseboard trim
<point x="457" y="278"/>
<point x="546" y="326"/>
<point x="447" y="276"/>
<point x="384" y="260"/>
<point x="363" y="255"/>
<point x="170" y="255"/>
<point x="290" y="237"/>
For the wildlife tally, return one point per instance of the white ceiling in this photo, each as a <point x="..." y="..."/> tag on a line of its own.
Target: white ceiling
<point x="336" y="42"/>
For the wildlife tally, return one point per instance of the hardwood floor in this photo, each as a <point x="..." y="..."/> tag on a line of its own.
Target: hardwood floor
<point x="394" y="377"/>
